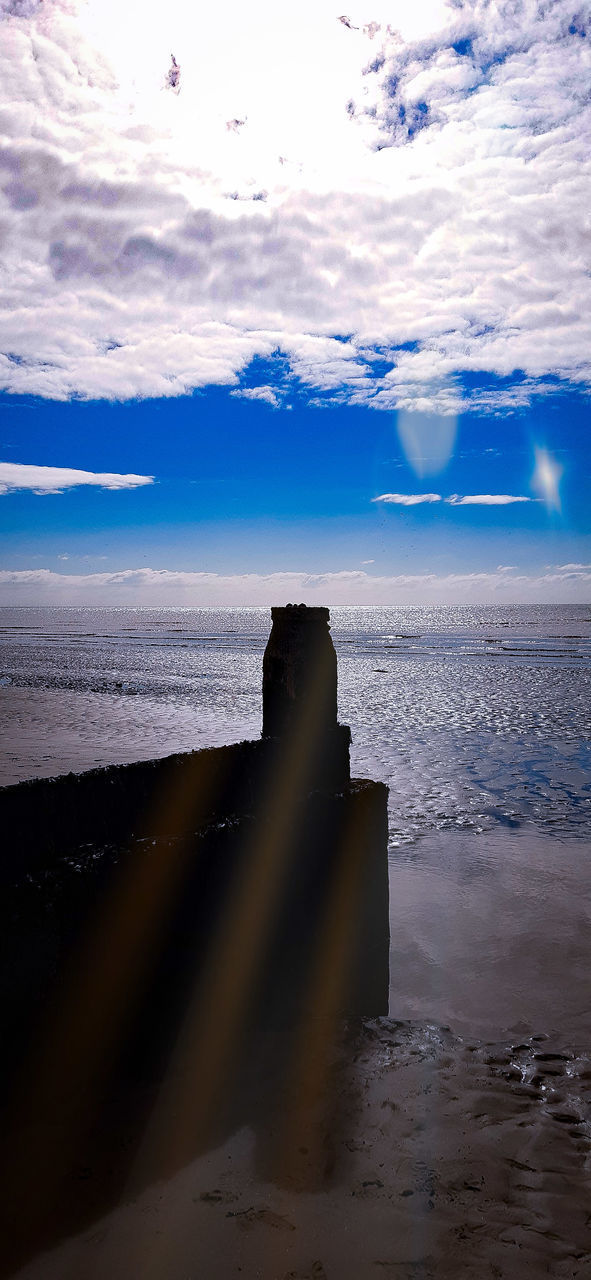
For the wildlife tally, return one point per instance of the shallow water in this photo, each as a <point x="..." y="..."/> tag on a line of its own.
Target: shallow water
<point x="476" y="718"/>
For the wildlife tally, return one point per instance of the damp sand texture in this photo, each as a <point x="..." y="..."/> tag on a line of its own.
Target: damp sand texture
<point x="452" y="1160"/>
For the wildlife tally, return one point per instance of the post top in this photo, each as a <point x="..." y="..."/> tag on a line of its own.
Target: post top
<point x="300" y="612"/>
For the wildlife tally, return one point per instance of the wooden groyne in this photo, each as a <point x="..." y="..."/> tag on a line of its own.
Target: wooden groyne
<point x="162" y="919"/>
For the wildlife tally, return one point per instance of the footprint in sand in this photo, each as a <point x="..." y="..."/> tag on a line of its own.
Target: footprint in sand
<point x="216" y="1196"/>
<point x="248" y="1218"/>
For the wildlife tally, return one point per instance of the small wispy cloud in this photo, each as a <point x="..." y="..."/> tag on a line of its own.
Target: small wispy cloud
<point x="16" y="476"/>
<point x="573" y="567"/>
<point x="267" y="394"/>
<point x="485" y="499"/>
<point x="454" y="499"/>
<point x="407" y="499"/>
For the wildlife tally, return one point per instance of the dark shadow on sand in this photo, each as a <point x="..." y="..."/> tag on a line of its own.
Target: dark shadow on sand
<point x="182" y="978"/>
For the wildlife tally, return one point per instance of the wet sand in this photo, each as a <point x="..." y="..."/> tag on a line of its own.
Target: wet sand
<point x="463" y="1153"/>
<point x="491" y="932"/>
<point x="53" y="731"/>
<point x="451" y="1159"/>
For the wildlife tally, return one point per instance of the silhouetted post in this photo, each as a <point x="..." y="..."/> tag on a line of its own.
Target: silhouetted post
<point x="300" y="692"/>
<point x="299" y="667"/>
<point x="332" y="925"/>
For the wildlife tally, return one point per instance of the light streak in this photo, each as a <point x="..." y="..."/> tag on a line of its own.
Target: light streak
<point x="546" y="479"/>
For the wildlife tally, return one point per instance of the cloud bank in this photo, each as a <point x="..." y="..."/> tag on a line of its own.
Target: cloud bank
<point x="401" y="200"/>
<point x="43" y="480"/>
<point x="564" y="584"/>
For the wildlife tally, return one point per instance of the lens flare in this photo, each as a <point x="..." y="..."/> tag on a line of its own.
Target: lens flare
<point x="546" y="479"/>
<point x="427" y="440"/>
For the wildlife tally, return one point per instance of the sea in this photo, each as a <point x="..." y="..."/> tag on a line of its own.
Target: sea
<point x="477" y="718"/>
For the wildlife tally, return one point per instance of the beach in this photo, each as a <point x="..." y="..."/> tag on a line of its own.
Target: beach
<point x="446" y="1158"/>
<point x="452" y="1139"/>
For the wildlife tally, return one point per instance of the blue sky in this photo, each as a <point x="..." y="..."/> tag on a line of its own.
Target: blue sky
<point x="244" y="488"/>
<point x="356" y="371"/>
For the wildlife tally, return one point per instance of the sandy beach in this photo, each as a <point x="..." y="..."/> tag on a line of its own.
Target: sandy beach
<point x="444" y="1158"/>
<point x="405" y="1149"/>
<point x="449" y="1141"/>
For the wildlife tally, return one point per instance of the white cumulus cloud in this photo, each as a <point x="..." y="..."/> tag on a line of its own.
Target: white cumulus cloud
<point x="405" y="201"/>
<point x="42" y="480"/>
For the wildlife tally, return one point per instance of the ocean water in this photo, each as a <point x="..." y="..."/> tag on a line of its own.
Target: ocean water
<point x="478" y="720"/>
<point x="472" y="717"/>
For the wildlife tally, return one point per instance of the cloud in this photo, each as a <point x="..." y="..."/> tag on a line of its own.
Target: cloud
<point x="570" y="568"/>
<point x="407" y="499"/>
<point x="424" y="211"/>
<point x="348" y="586"/>
<point x="486" y="499"/>
<point x="454" y="500"/>
<point x="267" y="394"/>
<point x="43" y="480"/>
<point x="19" y="8"/>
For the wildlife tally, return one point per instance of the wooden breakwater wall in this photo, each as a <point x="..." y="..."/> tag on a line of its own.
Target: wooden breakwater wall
<point x="173" y="843"/>
<point x="159" y="918"/>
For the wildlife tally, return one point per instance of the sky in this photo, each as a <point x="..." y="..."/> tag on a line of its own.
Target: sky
<point x="294" y="304"/>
